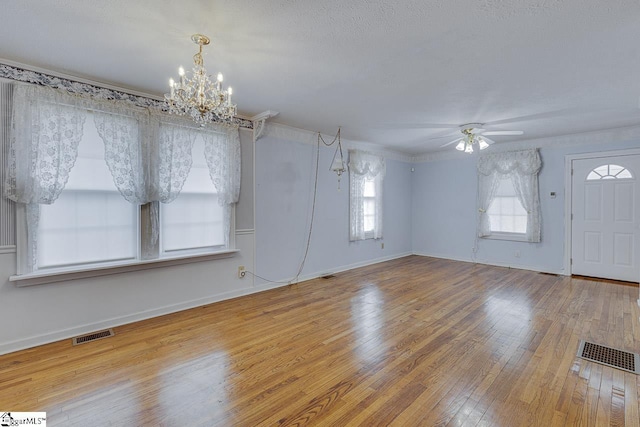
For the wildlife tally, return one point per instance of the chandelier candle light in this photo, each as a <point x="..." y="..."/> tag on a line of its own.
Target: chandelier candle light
<point x="197" y="96"/>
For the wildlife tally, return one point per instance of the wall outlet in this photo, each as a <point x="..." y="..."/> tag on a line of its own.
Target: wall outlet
<point x="382" y="245"/>
<point x="517" y="254"/>
<point x="241" y="272"/>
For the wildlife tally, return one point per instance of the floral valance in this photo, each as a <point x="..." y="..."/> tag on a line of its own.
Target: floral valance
<point x="526" y="162"/>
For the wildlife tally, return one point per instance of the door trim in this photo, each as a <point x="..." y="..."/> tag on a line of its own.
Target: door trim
<point x="568" y="188"/>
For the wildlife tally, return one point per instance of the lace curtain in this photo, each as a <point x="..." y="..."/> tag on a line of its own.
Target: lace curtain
<point x="522" y="168"/>
<point x="363" y="166"/>
<point x="148" y="154"/>
<point x="47" y="128"/>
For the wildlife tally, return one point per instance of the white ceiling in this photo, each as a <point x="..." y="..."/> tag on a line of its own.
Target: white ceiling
<point x="391" y="73"/>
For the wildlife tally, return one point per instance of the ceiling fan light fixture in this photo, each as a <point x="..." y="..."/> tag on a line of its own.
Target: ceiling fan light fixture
<point x="482" y="143"/>
<point x="469" y="148"/>
<point x="460" y="146"/>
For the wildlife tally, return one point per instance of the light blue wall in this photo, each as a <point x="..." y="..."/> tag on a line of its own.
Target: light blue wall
<point x="444" y="211"/>
<point x="284" y="191"/>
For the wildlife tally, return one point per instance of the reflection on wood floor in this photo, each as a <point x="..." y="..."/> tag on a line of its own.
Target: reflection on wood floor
<point x="414" y="341"/>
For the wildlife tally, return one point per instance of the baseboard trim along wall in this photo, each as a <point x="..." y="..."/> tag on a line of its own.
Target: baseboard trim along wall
<point x="48" y="338"/>
<point x="538" y="269"/>
<point x="270" y="285"/>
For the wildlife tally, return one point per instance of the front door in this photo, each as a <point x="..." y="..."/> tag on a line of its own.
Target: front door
<point x="605" y="210"/>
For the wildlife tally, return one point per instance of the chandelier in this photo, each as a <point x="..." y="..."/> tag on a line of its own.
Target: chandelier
<point x="197" y="96"/>
<point x="469" y="139"/>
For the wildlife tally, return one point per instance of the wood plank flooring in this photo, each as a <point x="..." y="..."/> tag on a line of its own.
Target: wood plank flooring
<point x="411" y="342"/>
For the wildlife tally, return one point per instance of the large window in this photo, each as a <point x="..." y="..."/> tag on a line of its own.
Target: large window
<point x="103" y="184"/>
<point x="366" y="174"/>
<point x="90" y="221"/>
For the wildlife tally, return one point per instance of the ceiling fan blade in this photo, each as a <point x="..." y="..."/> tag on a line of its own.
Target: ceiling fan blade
<point x="488" y="140"/>
<point x="547" y="115"/>
<point x="503" y="132"/>
<point x="476" y="131"/>
<point x="452" y="142"/>
<point x="446" y="134"/>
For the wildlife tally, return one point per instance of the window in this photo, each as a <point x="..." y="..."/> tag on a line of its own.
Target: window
<point x="105" y="184"/>
<point x="366" y="174"/>
<point x="508" y="200"/>
<point x="194" y="220"/>
<point x="369" y="213"/>
<point x="609" y="172"/>
<point x="90" y="221"/>
<point x="506" y="213"/>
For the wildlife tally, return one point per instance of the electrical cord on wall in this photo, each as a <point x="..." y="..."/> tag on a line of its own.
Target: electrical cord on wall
<point x="294" y="280"/>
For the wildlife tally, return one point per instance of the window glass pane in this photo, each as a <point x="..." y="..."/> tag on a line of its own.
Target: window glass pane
<point x="86" y="227"/>
<point x="593" y="176"/>
<point x="602" y="170"/>
<point x="369" y="213"/>
<point x="506" y="213"/>
<point x="369" y="188"/>
<point x="609" y="172"/>
<point x="194" y="220"/>
<point x="615" y="169"/>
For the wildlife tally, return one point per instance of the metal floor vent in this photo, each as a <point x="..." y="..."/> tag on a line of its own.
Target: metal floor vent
<point x="82" y="339"/>
<point x="619" y="359"/>
<point x="328" y="276"/>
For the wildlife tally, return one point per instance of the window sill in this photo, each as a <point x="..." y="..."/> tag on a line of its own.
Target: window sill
<point x="515" y="237"/>
<point x="42" y="277"/>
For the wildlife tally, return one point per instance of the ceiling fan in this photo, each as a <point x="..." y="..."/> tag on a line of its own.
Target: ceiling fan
<point x="473" y="133"/>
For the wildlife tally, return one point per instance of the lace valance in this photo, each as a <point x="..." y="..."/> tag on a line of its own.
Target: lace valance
<point x="366" y="164"/>
<point x="526" y="162"/>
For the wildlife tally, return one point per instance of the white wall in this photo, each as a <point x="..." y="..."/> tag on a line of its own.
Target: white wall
<point x="444" y="209"/>
<point x="285" y="165"/>
<point x="39" y="314"/>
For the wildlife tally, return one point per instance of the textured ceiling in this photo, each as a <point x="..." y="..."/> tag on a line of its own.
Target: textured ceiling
<point x="391" y="73"/>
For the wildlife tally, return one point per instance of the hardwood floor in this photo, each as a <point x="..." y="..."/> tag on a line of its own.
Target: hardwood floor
<point x="415" y="341"/>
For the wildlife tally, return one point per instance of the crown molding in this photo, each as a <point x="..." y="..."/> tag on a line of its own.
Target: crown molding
<point x="293" y="134"/>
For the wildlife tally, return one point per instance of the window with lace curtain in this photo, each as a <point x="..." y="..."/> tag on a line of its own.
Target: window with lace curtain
<point x="98" y="183"/>
<point x="90" y="221"/>
<point x="508" y="199"/>
<point x="194" y="221"/>
<point x="366" y="175"/>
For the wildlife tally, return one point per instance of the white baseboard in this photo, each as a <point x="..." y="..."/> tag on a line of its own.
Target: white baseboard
<point x="334" y="270"/>
<point x="37" y="340"/>
<point x="539" y="269"/>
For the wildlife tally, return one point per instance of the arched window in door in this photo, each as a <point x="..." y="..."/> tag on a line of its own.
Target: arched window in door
<point x="609" y="172"/>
